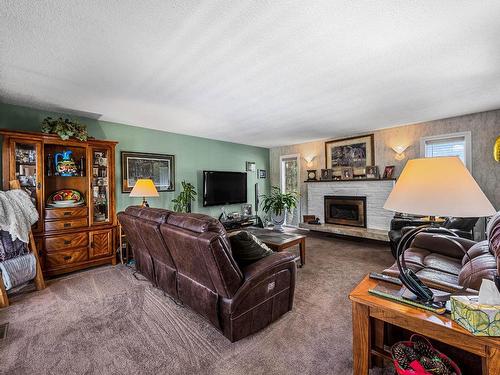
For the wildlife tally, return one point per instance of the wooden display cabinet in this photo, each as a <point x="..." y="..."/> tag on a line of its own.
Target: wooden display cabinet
<point x="70" y="238"/>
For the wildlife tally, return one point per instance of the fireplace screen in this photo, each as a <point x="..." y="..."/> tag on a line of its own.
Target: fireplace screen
<point x="345" y="210"/>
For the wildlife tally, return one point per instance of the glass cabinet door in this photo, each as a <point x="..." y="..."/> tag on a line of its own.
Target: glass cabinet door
<point x="100" y="194"/>
<point x="26" y="166"/>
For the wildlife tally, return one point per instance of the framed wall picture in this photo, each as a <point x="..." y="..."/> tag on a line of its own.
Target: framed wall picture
<point x="388" y="171"/>
<point x="372" y="171"/>
<point x="261" y="173"/>
<point x="250" y="166"/>
<point x="158" y="167"/>
<point x="354" y="152"/>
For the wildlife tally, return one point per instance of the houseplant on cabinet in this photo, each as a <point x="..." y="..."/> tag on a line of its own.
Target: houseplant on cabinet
<point x="183" y="202"/>
<point x="278" y="204"/>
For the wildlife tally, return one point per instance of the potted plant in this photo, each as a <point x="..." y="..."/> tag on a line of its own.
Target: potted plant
<point x="278" y="204"/>
<point x="65" y="129"/>
<point x="183" y="202"/>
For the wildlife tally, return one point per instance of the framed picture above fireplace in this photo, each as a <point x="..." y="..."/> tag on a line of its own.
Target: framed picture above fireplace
<point x="354" y="152"/>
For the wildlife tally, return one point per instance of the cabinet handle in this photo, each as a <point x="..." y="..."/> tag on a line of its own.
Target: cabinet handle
<point x="92" y="244"/>
<point x="67" y="213"/>
<point x="67" y="257"/>
<point x="39" y="185"/>
<point x="67" y="242"/>
<point x="67" y="225"/>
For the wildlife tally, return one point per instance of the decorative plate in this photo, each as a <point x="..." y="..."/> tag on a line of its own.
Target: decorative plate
<point x="65" y="195"/>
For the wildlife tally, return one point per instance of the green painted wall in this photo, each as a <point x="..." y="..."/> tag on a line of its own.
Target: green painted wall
<point x="192" y="154"/>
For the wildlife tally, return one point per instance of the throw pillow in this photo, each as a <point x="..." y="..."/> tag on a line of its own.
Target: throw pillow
<point x="247" y="248"/>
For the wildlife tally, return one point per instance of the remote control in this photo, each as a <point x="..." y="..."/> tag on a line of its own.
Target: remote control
<point x="390" y="279"/>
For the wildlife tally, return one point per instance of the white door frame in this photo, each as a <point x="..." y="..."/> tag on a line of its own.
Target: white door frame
<point x="282" y="180"/>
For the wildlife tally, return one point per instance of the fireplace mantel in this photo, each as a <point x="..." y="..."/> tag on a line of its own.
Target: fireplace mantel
<point x="353" y="180"/>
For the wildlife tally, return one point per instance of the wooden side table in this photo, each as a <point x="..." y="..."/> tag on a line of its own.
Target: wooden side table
<point x="370" y="313"/>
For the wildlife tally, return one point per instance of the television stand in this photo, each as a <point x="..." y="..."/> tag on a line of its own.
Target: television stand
<point x="241" y="222"/>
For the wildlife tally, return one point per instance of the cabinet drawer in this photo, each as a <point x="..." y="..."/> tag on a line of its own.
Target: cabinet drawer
<point x="66" y="242"/>
<point x="65" y="224"/>
<point x="65" y="213"/>
<point x="62" y="258"/>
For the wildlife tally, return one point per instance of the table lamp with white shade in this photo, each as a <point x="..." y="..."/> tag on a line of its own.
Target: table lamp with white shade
<point x="440" y="186"/>
<point x="144" y="187"/>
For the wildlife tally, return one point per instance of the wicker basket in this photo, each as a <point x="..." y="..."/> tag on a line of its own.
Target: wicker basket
<point x="417" y="367"/>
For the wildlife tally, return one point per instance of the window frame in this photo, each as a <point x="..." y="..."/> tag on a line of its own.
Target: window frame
<point x="467" y="135"/>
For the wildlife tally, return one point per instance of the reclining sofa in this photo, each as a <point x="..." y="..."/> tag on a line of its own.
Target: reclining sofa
<point x="189" y="257"/>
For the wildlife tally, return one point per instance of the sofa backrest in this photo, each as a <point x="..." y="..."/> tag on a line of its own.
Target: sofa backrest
<point x="202" y="253"/>
<point x="142" y="258"/>
<point x="148" y="225"/>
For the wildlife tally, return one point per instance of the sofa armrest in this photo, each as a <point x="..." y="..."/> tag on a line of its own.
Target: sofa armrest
<point x="262" y="280"/>
<point x="266" y="266"/>
<point x="440" y="244"/>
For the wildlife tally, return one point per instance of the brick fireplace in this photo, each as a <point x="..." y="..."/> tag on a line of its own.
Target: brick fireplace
<point x="345" y="210"/>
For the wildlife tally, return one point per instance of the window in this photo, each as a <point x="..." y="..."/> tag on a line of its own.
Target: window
<point x="289" y="176"/>
<point x="456" y="144"/>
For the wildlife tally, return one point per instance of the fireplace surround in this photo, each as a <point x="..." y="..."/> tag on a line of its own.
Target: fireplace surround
<point x="345" y="210"/>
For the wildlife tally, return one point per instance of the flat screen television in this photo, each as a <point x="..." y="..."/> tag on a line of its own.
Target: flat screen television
<point x="224" y="188"/>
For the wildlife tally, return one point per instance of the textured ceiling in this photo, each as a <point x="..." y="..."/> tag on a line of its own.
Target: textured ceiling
<point x="257" y="72"/>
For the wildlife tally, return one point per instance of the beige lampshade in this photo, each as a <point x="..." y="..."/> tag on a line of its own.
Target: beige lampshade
<point x="144" y="187"/>
<point x="438" y="187"/>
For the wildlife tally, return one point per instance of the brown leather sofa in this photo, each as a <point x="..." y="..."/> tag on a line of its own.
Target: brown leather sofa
<point x="440" y="263"/>
<point x="189" y="257"/>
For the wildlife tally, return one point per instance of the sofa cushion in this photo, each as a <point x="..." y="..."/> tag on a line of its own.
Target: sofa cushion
<point x="443" y="263"/>
<point x="247" y="248"/>
<point x="158" y="215"/>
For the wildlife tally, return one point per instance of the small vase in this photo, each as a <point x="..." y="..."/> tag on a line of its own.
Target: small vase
<point x="278" y="221"/>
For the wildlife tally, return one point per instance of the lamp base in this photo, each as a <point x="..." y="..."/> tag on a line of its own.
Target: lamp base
<point x="144" y="203"/>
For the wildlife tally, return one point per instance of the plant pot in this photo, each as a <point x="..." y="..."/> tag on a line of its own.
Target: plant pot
<point x="278" y="221"/>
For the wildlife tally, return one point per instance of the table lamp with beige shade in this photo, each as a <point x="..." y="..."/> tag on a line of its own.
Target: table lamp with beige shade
<point x="440" y="186"/>
<point x="144" y="187"/>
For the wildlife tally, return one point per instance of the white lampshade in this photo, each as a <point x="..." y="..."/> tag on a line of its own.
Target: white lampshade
<point x="438" y="187"/>
<point x="144" y="187"/>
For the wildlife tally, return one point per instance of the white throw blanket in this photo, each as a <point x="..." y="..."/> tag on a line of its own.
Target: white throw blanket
<point x="17" y="214"/>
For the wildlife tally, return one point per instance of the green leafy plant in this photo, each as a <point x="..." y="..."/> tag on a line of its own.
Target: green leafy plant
<point x="278" y="202"/>
<point x="183" y="202"/>
<point x="65" y="129"/>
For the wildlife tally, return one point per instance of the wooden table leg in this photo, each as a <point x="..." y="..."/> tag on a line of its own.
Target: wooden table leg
<point x="491" y="363"/>
<point x="378" y="338"/>
<point x="302" y="249"/>
<point x="360" y="338"/>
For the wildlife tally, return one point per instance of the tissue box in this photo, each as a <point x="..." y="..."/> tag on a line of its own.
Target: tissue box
<point x="481" y="320"/>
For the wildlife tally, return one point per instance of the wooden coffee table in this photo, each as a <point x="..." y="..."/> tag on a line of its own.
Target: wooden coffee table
<point x="370" y="313"/>
<point x="279" y="241"/>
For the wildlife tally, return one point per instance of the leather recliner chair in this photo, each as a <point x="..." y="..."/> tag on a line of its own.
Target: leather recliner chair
<point x="463" y="227"/>
<point x="440" y="263"/>
<point x="189" y="257"/>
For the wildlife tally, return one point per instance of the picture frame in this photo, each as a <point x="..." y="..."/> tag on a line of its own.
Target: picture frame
<point x="326" y="174"/>
<point x="158" y="167"/>
<point x="347" y="173"/>
<point x="372" y="172"/>
<point x="355" y="152"/>
<point x="261" y="173"/>
<point x="250" y="166"/>
<point x="388" y="172"/>
<point x="246" y="209"/>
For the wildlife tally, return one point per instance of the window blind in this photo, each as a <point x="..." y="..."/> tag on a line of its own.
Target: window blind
<point x="452" y="146"/>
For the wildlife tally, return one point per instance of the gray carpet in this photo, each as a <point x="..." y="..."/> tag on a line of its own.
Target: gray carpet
<point x="104" y="321"/>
